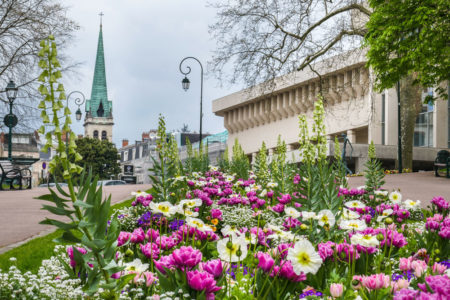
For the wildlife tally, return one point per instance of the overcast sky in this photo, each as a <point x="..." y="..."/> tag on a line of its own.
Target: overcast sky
<point x="144" y="42"/>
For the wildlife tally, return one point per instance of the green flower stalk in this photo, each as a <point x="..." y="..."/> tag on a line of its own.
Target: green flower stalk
<point x="319" y="133"/>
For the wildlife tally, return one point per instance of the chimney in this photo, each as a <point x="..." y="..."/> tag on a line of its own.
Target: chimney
<point x="145" y="135"/>
<point x="124" y="143"/>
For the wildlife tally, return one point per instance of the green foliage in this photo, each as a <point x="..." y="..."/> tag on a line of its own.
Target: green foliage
<point x="223" y="161"/>
<point x="100" y="156"/>
<point x="239" y="164"/>
<point x="260" y="166"/>
<point x="338" y="164"/>
<point x="406" y="37"/>
<point x="278" y="165"/>
<point x="374" y="172"/>
<point x="87" y="212"/>
<point x="197" y="161"/>
<point x="163" y="167"/>
<point x="319" y="133"/>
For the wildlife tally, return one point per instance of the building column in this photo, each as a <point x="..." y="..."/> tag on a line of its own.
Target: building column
<point x="351" y="135"/>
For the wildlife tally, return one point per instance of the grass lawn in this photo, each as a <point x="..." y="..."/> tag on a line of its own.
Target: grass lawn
<point x="31" y="254"/>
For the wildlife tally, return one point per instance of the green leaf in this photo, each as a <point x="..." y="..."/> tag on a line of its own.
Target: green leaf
<point x="59" y="224"/>
<point x="58" y="210"/>
<point x="80" y="203"/>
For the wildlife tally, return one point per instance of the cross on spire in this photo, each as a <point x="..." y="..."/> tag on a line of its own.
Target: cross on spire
<point x="101" y="14"/>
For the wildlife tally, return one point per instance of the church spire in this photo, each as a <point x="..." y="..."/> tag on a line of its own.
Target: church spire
<point x="99" y="92"/>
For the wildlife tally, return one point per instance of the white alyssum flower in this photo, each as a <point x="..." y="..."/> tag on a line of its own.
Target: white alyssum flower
<point x="304" y="257"/>
<point x="365" y="240"/>
<point x="326" y="217"/>
<point x="232" y="249"/>
<point x="355" y="225"/>
<point x="395" y="197"/>
<point x="411" y="205"/>
<point x="354" y="204"/>
<point x="292" y="212"/>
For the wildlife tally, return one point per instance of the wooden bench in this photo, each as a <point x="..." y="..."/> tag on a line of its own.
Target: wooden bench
<point x="442" y="162"/>
<point x="15" y="177"/>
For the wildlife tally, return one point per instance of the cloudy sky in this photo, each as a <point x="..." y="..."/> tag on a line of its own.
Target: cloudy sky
<point x="144" y="41"/>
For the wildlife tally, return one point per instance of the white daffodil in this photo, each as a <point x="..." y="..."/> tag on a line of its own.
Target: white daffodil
<point x="384" y="214"/>
<point x="326" y="217"/>
<point x="348" y="214"/>
<point x="292" y="212"/>
<point x="395" y="197"/>
<point x="200" y="183"/>
<point x="197" y="223"/>
<point x="230" y="230"/>
<point x="190" y="203"/>
<point x="308" y="215"/>
<point x="365" y="240"/>
<point x="356" y="225"/>
<point x="179" y="178"/>
<point x="229" y="178"/>
<point x="362" y="187"/>
<point x="139" y="194"/>
<point x="239" y="183"/>
<point x="196" y="174"/>
<point x="410" y="204"/>
<point x="304" y="257"/>
<point x="272" y="184"/>
<point x="137" y="266"/>
<point x="263" y="193"/>
<point x="381" y="193"/>
<point x="165" y="208"/>
<point x="190" y="213"/>
<point x="213" y="168"/>
<point x="232" y="249"/>
<point x="354" y="204"/>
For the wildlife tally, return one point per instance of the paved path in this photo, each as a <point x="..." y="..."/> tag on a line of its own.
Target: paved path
<point x="20" y="213"/>
<point x="421" y="186"/>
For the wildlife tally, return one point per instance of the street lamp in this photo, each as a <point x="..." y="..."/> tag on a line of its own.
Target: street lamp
<point x="185" y="84"/>
<point x="10" y="119"/>
<point x="78" y="101"/>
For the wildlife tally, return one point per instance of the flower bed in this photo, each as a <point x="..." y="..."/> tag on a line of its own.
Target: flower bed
<point x="230" y="237"/>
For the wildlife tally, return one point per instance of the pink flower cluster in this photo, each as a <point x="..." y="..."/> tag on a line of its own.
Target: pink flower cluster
<point x="69" y="250"/>
<point x="438" y="223"/>
<point x="283" y="269"/>
<point x="203" y="281"/>
<point x="439" y="285"/>
<point x="440" y="203"/>
<point x="144" y="200"/>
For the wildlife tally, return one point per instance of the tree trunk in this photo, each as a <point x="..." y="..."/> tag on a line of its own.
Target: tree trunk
<point x="411" y="105"/>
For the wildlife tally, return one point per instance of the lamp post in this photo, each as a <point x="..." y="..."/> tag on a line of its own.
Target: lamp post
<point x="10" y="119"/>
<point x="78" y="101"/>
<point x="185" y="84"/>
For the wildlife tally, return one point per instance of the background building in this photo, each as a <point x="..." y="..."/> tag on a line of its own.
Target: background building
<point x="99" y="122"/>
<point x="352" y="107"/>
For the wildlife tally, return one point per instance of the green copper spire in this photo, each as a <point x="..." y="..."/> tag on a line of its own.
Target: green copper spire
<point x="98" y="105"/>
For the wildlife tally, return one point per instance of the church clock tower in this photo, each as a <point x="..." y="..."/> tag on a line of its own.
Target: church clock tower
<point x="99" y="120"/>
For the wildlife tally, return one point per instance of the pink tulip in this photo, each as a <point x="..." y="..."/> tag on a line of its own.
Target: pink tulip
<point x="213" y="267"/>
<point x="336" y="290"/>
<point x="123" y="238"/>
<point x="186" y="257"/>
<point x="439" y="268"/>
<point x="138" y="236"/>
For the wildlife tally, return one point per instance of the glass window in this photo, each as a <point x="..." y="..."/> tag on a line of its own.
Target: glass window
<point x="130" y="154"/>
<point x="144" y="150"/>
<point x="122" y="156"/>
<point x="95" y="134"/>
<point x="104" y="137"/>
<point x="423" y="131"/>
<point x="136" y="154"/>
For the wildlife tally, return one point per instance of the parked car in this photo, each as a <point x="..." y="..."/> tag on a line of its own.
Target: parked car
<point x="52" y="184"/>
<point x="111" y="182"/>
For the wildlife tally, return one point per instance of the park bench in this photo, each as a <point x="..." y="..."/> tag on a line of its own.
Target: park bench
<point x="15" y="177"/>
<point x="442" y="163"/>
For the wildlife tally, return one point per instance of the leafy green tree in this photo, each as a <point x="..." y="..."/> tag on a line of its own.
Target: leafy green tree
<point x="406" y="37"/>
<point x="100" y="156"/>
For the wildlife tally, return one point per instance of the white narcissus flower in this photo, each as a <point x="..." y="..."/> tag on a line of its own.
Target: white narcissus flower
<point x="354" y="204"/>
<point x="355" y="225"/>
<point x="232" y="249"/>
<point x="326" y="217"/>
<point x="165" y="208"/>
<point x="189" y="203"/>
<point x="197" y="223"/>
<point x="136" y="265"/>
<point x="365" y="240"/>
<point x="138" y="194"/>
<point x="304" y="258"/>
<point x="272" y="184"/>
<point x="307" y="215"/>
<point x="381" y="193"/>
<point x="348" y="214"/>
<point x="395" y="197"/>
<point x="410" y="204"/>
<point x="229" y="178"/>
<point x="384" y="214"/>
<point x="230" y="230"/>
<point x="291" y="212"/>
